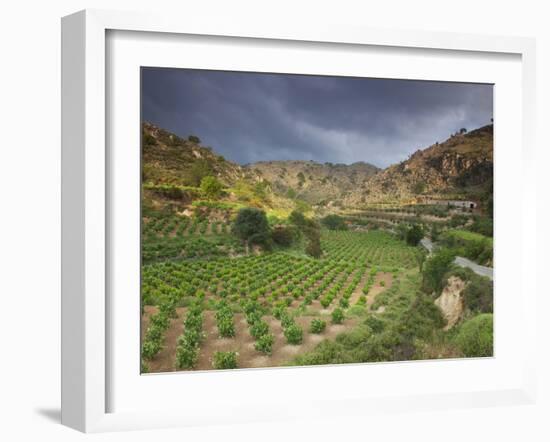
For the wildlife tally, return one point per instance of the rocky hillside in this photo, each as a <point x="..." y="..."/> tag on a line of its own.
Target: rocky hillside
<point x="169" y="159"/>
<point x="462" y="166"/>
<point x="311" y="181"/>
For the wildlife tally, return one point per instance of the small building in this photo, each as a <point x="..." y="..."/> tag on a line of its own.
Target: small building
<point x="465" y="204"/>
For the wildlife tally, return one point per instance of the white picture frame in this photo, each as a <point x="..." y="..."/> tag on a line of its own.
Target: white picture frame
<point x="87" y="207"/>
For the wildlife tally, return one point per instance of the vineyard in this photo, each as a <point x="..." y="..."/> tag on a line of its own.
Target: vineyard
<point x="207" y="303"/>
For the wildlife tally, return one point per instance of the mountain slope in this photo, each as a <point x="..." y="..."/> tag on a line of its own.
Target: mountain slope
<point x="311" y="181"/>
<point x="462" y="166"/>
<point x="169" y="159"/>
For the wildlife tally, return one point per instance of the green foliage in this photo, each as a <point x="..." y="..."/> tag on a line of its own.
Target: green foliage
<point x="224" y="321"/>
<point x="302" y="206"/>
<point x="337" y="316"/>
<point x="375" y="324"/>
<point x="293" y="334"/>
<point x="211" y="187"/>
<point x="317" y="325"/>
<point x="313" y="248"/>
<point x="469" y="244"/>
<point x="224" y="360"/>
<point x="334" y="222"/>
<point x="150" y="348"/>
<point x="264" y="343"/>
<point x="478" y="293"/>
<point x="283" y="235"/>
<point x="435" y="267"/>
<point x="194" y="139"/>
<point x="414" y="235"/>
<point x="475" y="337"/>
<point x="251" y="225"/>
<point x="482" y="225"/>
<point x="259" y="329"/>
<point x="199" y="169"/>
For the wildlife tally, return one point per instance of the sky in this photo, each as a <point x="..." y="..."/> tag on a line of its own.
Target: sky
<point x="249" y="117"/>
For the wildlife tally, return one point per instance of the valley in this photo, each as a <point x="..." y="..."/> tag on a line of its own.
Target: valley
<point x="290" y="262"/>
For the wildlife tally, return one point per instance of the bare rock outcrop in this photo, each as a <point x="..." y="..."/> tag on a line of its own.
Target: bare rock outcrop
<point x="451" y="301"/>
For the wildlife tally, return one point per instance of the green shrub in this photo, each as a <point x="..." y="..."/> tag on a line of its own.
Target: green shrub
<point x="186" y="355"/>
<point x="334" y="222"/>
<point x="150" y="348"/>
<point x="211" y="187"/>
<point x="259" y="329"/>
<point x="478" y="295"/>
<point x="435" y="268"/>
<point x="264" y="343"/>
<point x="283" y="235"/>
<point x="317" y="326"/>
<point x="293" y="334"/>
<point x="287" y="320"/>
<point x="414" y="235"/>
<point x="475" y="337"/>
<point x="337" y="316"/>
<point x="224" y="360"/>
<point x="375" y="324"/>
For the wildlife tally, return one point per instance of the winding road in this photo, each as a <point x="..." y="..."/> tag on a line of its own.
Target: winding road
<point x="461" y="261"/>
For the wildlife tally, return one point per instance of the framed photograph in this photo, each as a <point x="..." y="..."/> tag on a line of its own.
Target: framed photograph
<point x="267" y="222"/>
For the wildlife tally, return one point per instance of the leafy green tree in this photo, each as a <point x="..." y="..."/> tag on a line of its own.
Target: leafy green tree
<point x="414" y="235"/>
<point x="211" y="187"/>
<point x="334" y="222"/>
<point x="434" y="270"/>
<point x="313" y="248"/>
<point x="251" y="225"/>
<point x="194" y="139"/>
<point x="283" y="235"/>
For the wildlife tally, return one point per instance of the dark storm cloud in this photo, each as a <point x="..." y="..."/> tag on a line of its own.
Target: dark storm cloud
<point x="250" y="117"/>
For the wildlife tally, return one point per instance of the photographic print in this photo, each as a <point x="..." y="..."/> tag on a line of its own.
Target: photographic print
<point x="295" y="220"/>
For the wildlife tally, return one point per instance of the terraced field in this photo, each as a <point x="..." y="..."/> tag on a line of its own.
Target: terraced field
<point x="207" y="303"/>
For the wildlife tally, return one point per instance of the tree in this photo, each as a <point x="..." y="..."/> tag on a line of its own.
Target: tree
<point x="463" y="130"/>
<point x="311" y="230"/>
<point x="434" y="270"/>
<point x="414" y="235"/>
<point x="211" y="187"/>
<point x="313" y="248"/>
<point x="283" y="235"/>
<point x="334" y="222"/>
<point x="251" y="225"/>
<point x="297" y="218"/>
<point x="194" y="139"/>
